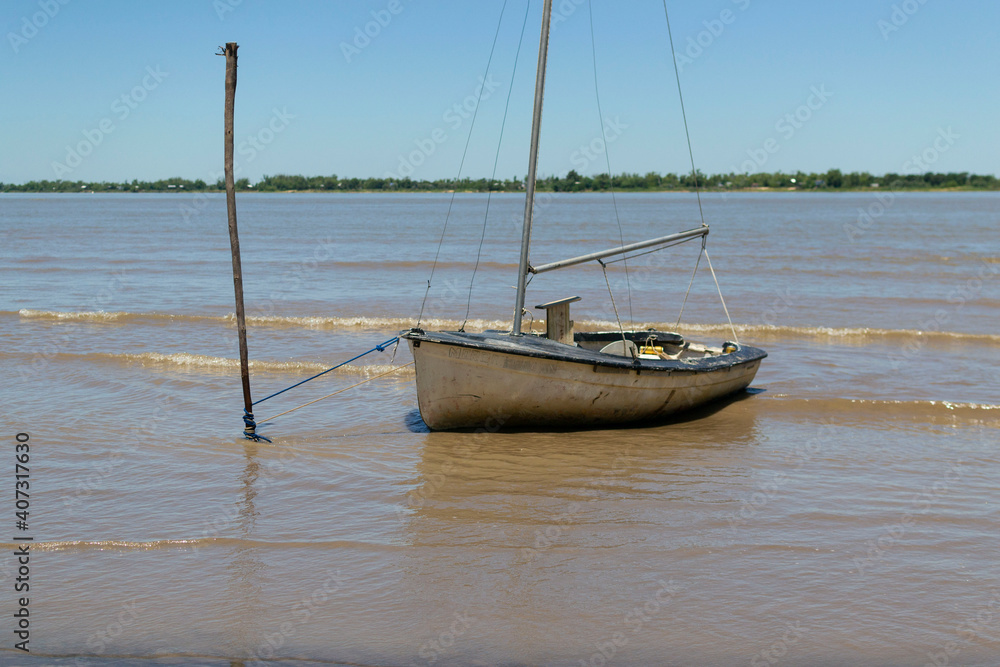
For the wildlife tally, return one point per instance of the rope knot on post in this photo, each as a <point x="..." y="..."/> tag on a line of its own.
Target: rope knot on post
<point x="250" y="428"/>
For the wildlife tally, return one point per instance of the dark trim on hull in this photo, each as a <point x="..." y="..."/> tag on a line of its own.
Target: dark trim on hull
<point x="530" y="345"/>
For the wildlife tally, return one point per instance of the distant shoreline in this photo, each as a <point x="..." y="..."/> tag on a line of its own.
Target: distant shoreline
<point x="831" y="181"/>
<point x="429" y="191"/>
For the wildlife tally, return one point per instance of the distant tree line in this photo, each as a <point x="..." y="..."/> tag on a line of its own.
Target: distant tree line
<point x="832" y="180"/>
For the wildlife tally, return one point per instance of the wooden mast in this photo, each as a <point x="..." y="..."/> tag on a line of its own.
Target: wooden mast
<point x="250" y="426"/>
<point x="529" y="203"/>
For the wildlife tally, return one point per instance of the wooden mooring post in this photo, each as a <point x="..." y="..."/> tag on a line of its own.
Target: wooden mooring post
<point x="250" y="427"/>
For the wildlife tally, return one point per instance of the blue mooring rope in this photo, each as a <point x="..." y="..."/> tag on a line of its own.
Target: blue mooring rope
<point x="250" y="426"/>
<point x="380" y="348"/>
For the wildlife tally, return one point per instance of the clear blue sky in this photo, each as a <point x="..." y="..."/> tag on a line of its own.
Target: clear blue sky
<point x="65" y="66"/>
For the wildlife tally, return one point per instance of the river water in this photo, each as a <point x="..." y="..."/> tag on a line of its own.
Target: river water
<point x="845" y="510"/>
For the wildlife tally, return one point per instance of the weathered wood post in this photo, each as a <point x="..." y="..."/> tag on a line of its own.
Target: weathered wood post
<point x="250" y="427"/>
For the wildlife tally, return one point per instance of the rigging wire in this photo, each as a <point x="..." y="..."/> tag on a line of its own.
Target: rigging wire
<point x="496" y="160"/>
<point x="697" y="188"/>
<point x="731" y="327"/>
<point x="688" y="292"/>
<point x="704" y="251"/>
<point x="680" y="95"/>
<point x="621" y="330"/>
<point x="461" y="165"/>
<point x="607" y="159"/>
<point x="648" y="252"/>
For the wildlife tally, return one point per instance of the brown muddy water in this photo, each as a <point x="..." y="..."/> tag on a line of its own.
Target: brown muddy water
<point x="844" y="511"/>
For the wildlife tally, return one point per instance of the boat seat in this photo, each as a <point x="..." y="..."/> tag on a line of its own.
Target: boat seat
<point x="622" y="348"/>
<point x="558" y="326"/>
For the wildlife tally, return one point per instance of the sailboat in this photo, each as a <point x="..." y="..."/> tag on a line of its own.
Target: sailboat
<point x="503" y="379"/>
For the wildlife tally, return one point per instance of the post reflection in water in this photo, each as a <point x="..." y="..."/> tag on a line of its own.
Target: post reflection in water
<point x="245" y="567"/>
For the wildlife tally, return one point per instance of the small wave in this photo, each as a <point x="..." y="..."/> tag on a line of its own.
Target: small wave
<point x="101" y="316"/>
<point x="203" y="362"/>
<point x="952" y="406"/>
<point x="223" y="365"/>
<point x="934" y="412"/>
<point x="385" y="323"/>
<point x="371" y="370"/>
<point x="112" y="545"/>
<point x="845" y="334"/>
<point x="374" y="322"/>
<point x="186" y="544"/>
<point x="358" y="322"/>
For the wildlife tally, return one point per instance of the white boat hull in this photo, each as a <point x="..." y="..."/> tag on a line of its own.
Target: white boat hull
<point x="461" y="387"/>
